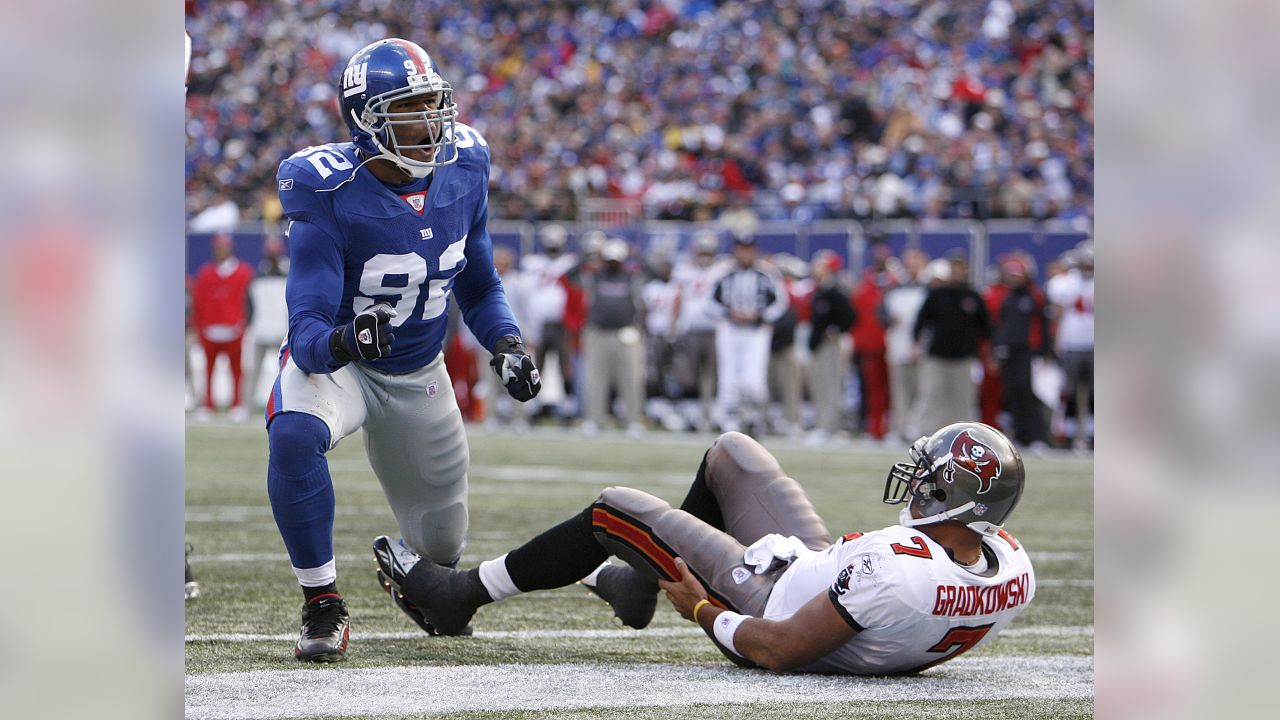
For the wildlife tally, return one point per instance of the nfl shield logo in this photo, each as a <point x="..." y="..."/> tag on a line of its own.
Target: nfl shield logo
<point x="433" y="389"/>
<point x="417" y="201"/>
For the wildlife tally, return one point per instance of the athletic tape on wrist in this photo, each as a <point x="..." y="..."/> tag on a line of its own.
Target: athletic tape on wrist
<point x="725" y="626"/>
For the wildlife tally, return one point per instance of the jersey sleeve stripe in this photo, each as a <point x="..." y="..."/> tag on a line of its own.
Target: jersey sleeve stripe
<point x="844" y="613"/>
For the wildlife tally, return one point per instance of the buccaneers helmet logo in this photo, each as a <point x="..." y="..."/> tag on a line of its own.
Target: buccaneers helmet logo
<point x="975" y="458"/>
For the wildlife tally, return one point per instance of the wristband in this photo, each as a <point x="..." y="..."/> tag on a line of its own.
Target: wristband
<point x="726" y="625"/>
<point x="698" y="607"/>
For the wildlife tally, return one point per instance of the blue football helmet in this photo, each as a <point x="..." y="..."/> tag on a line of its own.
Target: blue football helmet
<point x="383" y="73"/>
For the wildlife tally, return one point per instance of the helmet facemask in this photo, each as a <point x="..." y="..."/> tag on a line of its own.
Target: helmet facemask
<point x="393" y="134"/>
<point x="909" y="482"/>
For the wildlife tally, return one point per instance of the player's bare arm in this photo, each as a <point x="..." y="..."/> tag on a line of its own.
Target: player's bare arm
<point x="814" y="631"/>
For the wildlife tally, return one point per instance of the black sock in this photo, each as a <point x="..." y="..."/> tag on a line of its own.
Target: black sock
<point x="314" y="592"/>
<point x="700" y="503"/>
<point x="558" y="557"/>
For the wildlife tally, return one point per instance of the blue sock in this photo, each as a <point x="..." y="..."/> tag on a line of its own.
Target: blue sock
<point x="300" y="487"/>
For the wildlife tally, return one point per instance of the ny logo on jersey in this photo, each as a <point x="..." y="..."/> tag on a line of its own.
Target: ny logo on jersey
<point x="426" y="233"/>
<point x="354" y="79"/>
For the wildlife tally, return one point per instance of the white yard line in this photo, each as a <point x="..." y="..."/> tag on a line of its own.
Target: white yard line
<point x="309" y="693"/>
<point x="1063" y="582"/>
<point x="675" y="632"/>
<point x="283" y="557"/>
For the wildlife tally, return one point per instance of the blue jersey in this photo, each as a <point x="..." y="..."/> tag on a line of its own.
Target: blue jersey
<point x="356" y="241"/>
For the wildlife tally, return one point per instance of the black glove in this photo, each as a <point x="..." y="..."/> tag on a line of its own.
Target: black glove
<point x="515" y="368"/>
<point x="367" y="337"/>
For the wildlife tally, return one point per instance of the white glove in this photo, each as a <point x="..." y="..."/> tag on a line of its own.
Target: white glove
<point x="773" y="548"/>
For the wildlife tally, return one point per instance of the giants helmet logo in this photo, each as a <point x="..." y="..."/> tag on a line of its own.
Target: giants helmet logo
<point x="975" y="458"/>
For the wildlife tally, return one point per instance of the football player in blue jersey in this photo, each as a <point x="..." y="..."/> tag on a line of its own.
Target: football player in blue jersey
<point x="382" y="230"/>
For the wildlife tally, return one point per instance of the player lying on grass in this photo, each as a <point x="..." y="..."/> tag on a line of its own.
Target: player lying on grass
<point x="747" y="558"/>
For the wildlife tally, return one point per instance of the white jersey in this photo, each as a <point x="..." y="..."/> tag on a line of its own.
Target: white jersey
<point x="659" y="299"/>
<point x="270" y="311"/>
<point x="516" y="285"/>
<point x="1074" y="293"/>
<point x="697" y="309"/>
<point x="902" y="305"/>
<point x="912" y="605"/>
<point x="546" y="295"/>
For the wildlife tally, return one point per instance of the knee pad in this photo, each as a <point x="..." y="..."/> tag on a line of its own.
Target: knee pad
<point x="438" y="534"/>
<point x="298" y="441"/>
<point x="735" y="454"/>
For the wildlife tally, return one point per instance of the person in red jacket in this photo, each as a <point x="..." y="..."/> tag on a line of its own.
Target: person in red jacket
<point x="219" y="312"/>
<point x="869" y="343"/>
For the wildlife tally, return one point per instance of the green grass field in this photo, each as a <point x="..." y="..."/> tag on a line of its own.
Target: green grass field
<point x="560" y="654"/>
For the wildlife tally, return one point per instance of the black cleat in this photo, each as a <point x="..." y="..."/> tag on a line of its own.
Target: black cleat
<point x="448" y="598"/>
<point x="326" y="629"/>
<point x="394" y="563"/>
<point x="632" y="596"/>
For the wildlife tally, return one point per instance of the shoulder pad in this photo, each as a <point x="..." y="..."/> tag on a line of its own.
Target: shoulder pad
<point x="469" y="173"/>
<point x="313" y="169"/>
<point x="473" y="149"/>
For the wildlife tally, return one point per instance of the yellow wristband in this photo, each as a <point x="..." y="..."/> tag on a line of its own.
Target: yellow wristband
<point x="698" y="607"/>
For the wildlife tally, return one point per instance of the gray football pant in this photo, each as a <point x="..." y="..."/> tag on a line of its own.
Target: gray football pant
<point x="419" y="452"/>
<point x="829" y="371"/>
<point x="784" y="384"/>
<point x="947" y="392"/>
<point x="696" y="367"/>
<point x="904" y="388"/>
<point x="413" y="435"/>
<point x="755" y="498"/>
<point x="613" y="364"/>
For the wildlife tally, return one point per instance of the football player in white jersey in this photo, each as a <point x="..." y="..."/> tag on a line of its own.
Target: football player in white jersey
<point x="747" y="557"/>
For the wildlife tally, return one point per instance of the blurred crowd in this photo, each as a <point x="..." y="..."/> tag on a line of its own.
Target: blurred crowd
<point x="690" y="109"/>
<point x="908" y="344"/>
<point x="665" y="341"/>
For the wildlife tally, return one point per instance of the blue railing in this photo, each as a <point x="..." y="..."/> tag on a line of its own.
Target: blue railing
<point x="982" y="241"/>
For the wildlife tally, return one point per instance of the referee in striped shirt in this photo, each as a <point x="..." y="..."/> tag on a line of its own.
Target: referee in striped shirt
<point x="751" y="298"/>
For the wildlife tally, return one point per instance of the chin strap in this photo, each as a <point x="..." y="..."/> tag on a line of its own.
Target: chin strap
<point x="979" y="526"/>
<point x="413" y="172"/>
